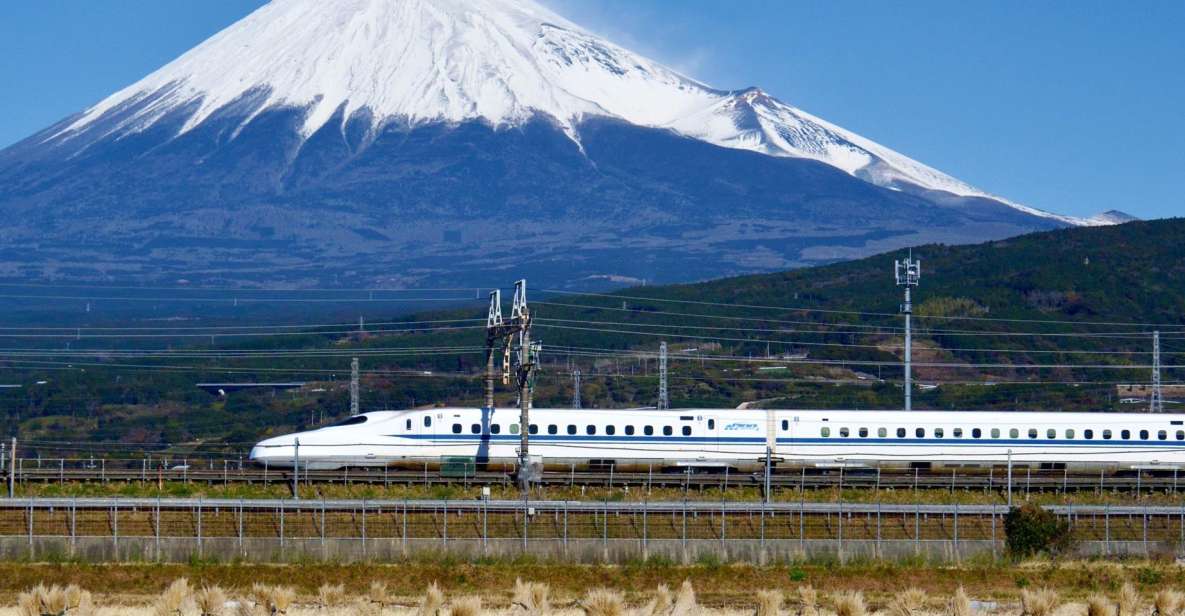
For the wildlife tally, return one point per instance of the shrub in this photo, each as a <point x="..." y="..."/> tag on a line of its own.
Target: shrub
<point x="1032" y="530"/>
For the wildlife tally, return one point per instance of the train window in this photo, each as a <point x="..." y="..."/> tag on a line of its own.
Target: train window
<point x="649" y="430"/>
<point x="610" y="430"/>
<point x="475" y="428"/>
<point x="409" y="425"/>
<point x="824" y="431"/>
<point x="590" y="429"/>
<point x="976" y="433"/>
<point x="495" y="428"/>
<point x="1162" y="435"/>
<point x="1070" y="433"/>
<point x="785" y="425"/>
<point x="1126" y="434"/>
<point x="1032" y="433"/>
<point x="995" y="433"/>
<point x="667" y="431"/>
<point x="1143" y="435"/>
<point x="427" y="421"/>
<point x="1088" y="434"/>
<point x="686" y="430"/>
<point x="353" y="421"/>
<point x="957" y="433"/>
<point x="920" y="432"/>
<point x="1181" y="435"/>
<point x="1051" y="433"/>
<point x="900" y="432"/>
<point x="882" y="432"/>
<point x="456" y="428"/>
<point x="938" y="432"/>
<point x="1107" y="434"/>
<point x="571" y="429"/>
<point x="629" y="430"/>
<point x="863" y="432"/>
<point x="514" y="428"/>
<point x="711" y="424"/>
<point x="1014" y="433"/>
<point x="552" y="428"/>
<point x="534" y="428"/>
<point x="843" y="432"/>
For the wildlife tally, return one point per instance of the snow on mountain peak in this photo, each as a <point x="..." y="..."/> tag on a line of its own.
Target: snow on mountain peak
<point x="501" y="61"/>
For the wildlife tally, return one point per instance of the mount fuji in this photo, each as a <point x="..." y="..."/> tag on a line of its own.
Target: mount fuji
<point x="418" y="142"/>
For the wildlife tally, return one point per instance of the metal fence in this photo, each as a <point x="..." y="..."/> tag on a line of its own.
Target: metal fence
<point x="108" y="529"/>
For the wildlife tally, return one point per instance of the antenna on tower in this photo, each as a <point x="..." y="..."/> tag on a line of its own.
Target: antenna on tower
<point x="664" y="402"/>
<point x="353" y="387"/>
<point x="576" y="388"/>
<point x="1156" y="401"/>
<point x="908" y="274"/>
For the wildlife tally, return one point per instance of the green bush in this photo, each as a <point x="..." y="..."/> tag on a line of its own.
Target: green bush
<point x="1031" y="530"/>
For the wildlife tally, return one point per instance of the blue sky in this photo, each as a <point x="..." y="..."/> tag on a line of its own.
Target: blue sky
<point x="1071" y="106"/>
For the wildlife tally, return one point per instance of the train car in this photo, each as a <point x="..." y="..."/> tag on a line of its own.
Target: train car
<point x="738" y="438"/>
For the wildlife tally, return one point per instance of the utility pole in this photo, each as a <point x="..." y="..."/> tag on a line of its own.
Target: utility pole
<point x="353" y="387"/>
<point x="495" y="332"/>
<point x="908" y="273"/>
<point x="576" y="388"/>
<point x="528" y="355"/>
<point x="296" y="470"/>
<point x="499" y="332"/>
<point x="664" y="401"/>
<point x="12" y="470"/>
<point x="1156" y="400"/>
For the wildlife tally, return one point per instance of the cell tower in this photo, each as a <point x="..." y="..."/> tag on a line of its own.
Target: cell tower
<point x="664" y="402"/>
<point x="353" y="387"/>
<point x="576" y="388"/>
<point x="1156" y="400"/>
<point x="908" y="273"/>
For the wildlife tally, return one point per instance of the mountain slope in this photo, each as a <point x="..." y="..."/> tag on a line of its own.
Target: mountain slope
<point x="394" y="140"/>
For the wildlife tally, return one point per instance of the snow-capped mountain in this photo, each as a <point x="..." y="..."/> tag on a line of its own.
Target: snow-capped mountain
<point x="306" y="103"/>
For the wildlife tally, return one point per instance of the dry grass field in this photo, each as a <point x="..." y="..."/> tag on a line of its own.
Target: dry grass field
<point x="1036" y="588"/>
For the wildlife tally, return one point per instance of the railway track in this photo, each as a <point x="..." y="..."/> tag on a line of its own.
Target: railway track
<point x="55" y="471"/>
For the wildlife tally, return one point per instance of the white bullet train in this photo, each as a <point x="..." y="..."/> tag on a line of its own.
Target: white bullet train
<point x="738" y="438"/>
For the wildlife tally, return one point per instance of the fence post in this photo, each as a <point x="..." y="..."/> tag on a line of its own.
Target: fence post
<point x="12" y="470"/>
<point x="115" y="527"/>
<point x="364" y="547"/>
<point x="156" y="530"/>
<point x="73" y="524"/>
<point x="646" y="528"/>
<point x="1107" y="529"/>
<point x="30" y="529"/>
<point x="958" y="555"/>
<point x="201" y="550"/>
<point x="242" y="551"/>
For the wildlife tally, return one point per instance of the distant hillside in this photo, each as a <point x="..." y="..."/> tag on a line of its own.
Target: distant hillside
<point x="1053" y="320"/>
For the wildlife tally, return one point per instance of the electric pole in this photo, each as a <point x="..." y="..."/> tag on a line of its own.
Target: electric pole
<point x="1156" y="400"/>
<point x="664" y="402"/>
<point x="353" y="387"/>
<point x="576" y="388"/>
<point x="499" y="332"/>
<point x="908" y="273"/>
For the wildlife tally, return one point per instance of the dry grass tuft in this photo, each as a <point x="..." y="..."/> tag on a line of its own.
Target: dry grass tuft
<point x="27" y="604"/>
<point x="664" y="600"/>
<point x="960" y="604"/>
<point x="685" y="604"/>
<point x="1098" y="605"/>
<point x="432" y="602"/>
<point x="466" y="606"/>
<point x="769" y="603"/>
<point x="850" y="603"/>
<point x="1038" y="602"/>
<point x="172" y="602"/>
<point x="908" y="602"/>
<point x="808" y="601"/>
<point x="210" y="600"/>
<point x="603" y="602"/>
<point x="1129" y="600"/>
<point x="331" y="595"/>
<point x="531" y="597"/>
<point x="280" y="599"/>
<point x="1168" y="602"/>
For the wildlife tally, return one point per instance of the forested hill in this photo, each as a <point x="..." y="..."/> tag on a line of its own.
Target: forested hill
<point x="1059" y="320"/>
<point x="1133" y="272"/>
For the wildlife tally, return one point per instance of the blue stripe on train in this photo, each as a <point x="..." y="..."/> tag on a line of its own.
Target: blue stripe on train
<point x="463" y="438"/>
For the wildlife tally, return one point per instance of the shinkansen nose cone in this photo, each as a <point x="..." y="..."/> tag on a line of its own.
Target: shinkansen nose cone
<point x="279" y="452"/>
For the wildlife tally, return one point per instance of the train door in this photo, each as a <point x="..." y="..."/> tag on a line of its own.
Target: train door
<point x="711" y="442"/>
